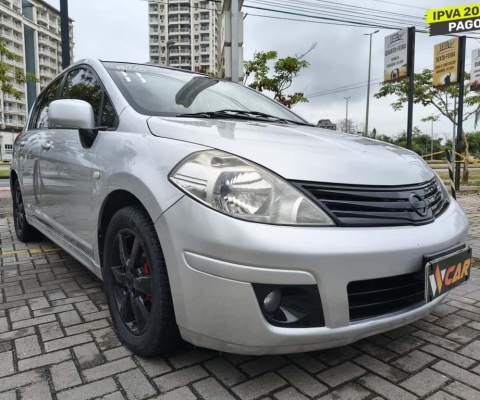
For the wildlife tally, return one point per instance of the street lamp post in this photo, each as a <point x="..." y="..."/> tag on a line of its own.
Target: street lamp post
<point x="431" y="144"/>
<point x="368" y="85"/>
<point x="170" y="43"/>
<point x="346" y="113"/>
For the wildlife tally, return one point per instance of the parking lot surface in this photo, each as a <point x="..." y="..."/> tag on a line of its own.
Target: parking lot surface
<point x="56" y="342"/>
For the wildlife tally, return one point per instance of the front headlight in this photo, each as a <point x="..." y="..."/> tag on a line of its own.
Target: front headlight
<point x="244" y="190"/>
<point x="443" y="189"/>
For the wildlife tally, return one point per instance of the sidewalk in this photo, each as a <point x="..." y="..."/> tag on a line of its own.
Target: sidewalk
<point x="57" y="343"/>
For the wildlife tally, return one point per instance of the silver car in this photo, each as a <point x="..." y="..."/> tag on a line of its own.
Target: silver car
<point x="216" y="215"/>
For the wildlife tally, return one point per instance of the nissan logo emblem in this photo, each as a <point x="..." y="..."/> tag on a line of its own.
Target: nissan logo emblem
<point x="418" y="204"/>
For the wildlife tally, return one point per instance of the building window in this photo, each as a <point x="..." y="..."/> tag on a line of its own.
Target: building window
<point x="196" y="37"/>
<point x="8" y="148"/>
<point x="197" y="58"/>
<point x="162" y="38"/>
<point x="196" y="5"/>
<point x="162" y="7"/>
<point x="197" y="48"/>
<point x="163" y="49"/>
<point x="196" y="26"/>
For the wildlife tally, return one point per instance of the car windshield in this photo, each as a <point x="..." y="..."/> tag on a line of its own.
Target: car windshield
<point x="152" y="90"/>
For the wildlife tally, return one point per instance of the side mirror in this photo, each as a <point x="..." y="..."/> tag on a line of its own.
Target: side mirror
<point x="72" y="114"/>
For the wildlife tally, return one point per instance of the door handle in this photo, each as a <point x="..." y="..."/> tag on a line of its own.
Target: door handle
<point x="46" y="146"/>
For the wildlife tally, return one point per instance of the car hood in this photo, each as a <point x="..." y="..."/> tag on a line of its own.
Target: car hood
<point x="301" y="152"/>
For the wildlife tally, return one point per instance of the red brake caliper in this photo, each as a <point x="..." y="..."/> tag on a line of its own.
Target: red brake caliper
<point x="146" y="270"/>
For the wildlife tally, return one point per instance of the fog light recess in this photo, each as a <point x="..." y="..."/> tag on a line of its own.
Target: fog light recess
<point x="290" y="306"/>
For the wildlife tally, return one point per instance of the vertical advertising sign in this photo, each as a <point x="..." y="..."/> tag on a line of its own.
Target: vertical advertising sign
<point x="445" y="63"/>
<point x="396" y="54"/>
<point x="475" y="71"/>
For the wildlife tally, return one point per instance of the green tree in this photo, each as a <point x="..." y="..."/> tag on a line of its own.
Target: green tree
<point x="285" y="69"/>
<point x="426" y="95"/>
<point x="10" y="74"/>
<point x="474" y="143"/>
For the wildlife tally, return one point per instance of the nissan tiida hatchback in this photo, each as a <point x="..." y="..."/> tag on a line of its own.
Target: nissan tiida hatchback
<point x="216" y="215"/>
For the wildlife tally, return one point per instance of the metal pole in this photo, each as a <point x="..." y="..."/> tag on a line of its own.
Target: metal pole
<point x="461" y="93"/>
<point x="65" y="26"/>
<point x="234" y="25"/>
<point x="431" y="144"/>
<point x="368" y="86"/>
<point x="346" y="115"/>
<point x="411" y="81"/>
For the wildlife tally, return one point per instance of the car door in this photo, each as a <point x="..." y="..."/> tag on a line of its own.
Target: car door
<point x="28" y="146"/>
<point x="66" y="166"/>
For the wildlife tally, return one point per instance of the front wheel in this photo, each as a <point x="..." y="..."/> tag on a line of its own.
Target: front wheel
<point x="24" y="231"/>
<point x="137" y="284"/>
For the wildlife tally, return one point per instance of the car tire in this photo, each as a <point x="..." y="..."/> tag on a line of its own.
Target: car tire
<point x="24" y="231"/>
<point x="133" y="265"/>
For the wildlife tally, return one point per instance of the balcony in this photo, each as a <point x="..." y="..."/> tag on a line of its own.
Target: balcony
<point x="15" y="50"/>
<point x="204" y="50"/>
<point x="184" y="41"/>
<point x="11" y="98"/>
<point x="42" y="19"/>
<point x="14" y="110"/>
<point x="46" y="73"/>
<point x="18" y="64"/>
<point x="181" y="10"/>
<point x="205" y="61"/>
<point x="153" y="9"/>
<point x="14" y="122"/>
<point x="153" y="21"/>
<point x="204" y="39"/>
<point x="6" y="35"/>
<point x="20" y="88"/>
<point x="204" y="28"/>
<point x="179" y="52"/>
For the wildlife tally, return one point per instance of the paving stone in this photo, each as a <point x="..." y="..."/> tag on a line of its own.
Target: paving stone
<point x="37" y="391"/>
<point x="472" y="350"/>
<point x="339" y="355"/>
<point x="260" y="386"/>
<point x="414" y="361"/>
<point x="17" y="303"/>
<point x="81" y="328"/>
<point x="71" y="300"/>
<point x="50" y="331"/>
<point x="290" y="394"/>
<point x="183" y="393"/>
<point x="425" y="382"/>
<point x="89" y="391"/>
<point x="463" y="335"/>
<point x="400" y="332"/>
<point x="116" y="353"/>
<point x="452" y="321"/>
<point x="6" y="364"/>
<point x="474" y="325"/>
<point x="17" y="334"/>
<point x="97" y="315"/>
<point x="33" y="321"/>
<point x="454" y="358"/>
<point x="464" y="392"/>
<point x="153" y="366"/>
<point x="136" y="386"/>
<point x="343" y="373"/>
<point x="38" y="303"/>
<point x="5" y="346"/>
<point x="404" y="344"/>
<point x="69" y="318"/>
<point x="55" y="295"/>
<point x="302" y="381"/>
<point x="457" y="373"/>
<point x="106" y="338"/>
<point x="108" y="369"/>
<point x="44" y="359"/>
<point x="27" y="347"/>
<point x="441" y="395"/>
<point x="11" y="395"/>
<point x="224" y="371"/>
<point x="191" y="357"/>
<point x="3" y="325"/>
<point x="68" y="341"/>
<point x="88" y="355"/>
<point x="380" y="368"/>
<point x="19" y="313"/>
<point x="426" y="326"/>
<point x="375" y="351"/>
<point x="469" y="315"/>
<point x="113" y="396"/>
<point x="307" y="362"/>
<point x="180" y="378"/>
<point x="212" y="390"/>
<point x="385" y="388"/>
<point x="263" y="364"/>
<point x="350" y="391"/>
<point x="437" y="340"/>
<point x="443" y="310"/>
<point x="65" y="375"/>
<point x="52" y="310"/>
<point x="19" y="380"/>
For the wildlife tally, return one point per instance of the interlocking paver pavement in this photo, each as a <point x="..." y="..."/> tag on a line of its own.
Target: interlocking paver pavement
<point x="56" y="342"/>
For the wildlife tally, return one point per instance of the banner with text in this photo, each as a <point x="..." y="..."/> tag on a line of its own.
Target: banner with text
<point x="453" y="19"/>
<point x="475" y="72"/>
<point x="396" y="54"/>
<point x="445" y="63"/>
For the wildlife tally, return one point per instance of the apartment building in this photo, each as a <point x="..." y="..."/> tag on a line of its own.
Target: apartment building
<point x="31" y="29"/>
<point x="185" y="34"/>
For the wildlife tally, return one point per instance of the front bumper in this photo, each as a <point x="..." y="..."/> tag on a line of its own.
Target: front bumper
<point x="212" y="260"/>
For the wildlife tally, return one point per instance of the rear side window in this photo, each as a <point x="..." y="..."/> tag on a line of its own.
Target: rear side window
<point x="82" y="84"/>
<point x="40" y="113"/>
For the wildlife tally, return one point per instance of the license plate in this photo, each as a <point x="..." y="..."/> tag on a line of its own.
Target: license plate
<point x="447" y="272"/>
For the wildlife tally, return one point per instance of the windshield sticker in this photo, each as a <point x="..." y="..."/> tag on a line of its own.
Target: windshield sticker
<point x="126" y="76"/>
<point x="141" y="78"/>
<point x="131" y="68"/>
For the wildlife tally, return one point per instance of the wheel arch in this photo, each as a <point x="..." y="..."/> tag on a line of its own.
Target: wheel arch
<point x="13" y="178"/>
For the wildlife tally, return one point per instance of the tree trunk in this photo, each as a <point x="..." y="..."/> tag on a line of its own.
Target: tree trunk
<point x="467" y="156"/>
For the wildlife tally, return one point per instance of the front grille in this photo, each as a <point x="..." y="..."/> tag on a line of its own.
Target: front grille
<point x="374" y="297"/>
<point x="356" y="205"/>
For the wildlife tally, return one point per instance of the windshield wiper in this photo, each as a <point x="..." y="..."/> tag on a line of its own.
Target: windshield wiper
<point x="252" y="115"/>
